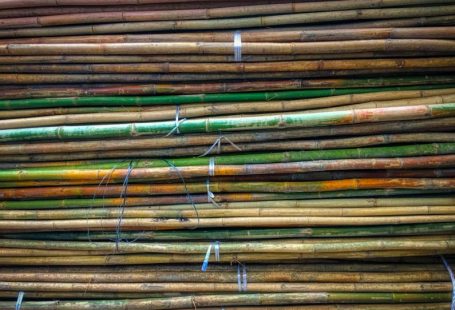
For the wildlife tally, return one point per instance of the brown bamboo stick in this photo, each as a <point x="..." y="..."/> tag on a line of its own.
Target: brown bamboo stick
<point x="226" y="287"/>
<point x="135" y="259"/>
<point x="201" y="58"/>
<point x="8" y="4"/>
<point x="344" y="64"/>
<point x="88" y="8"/>
<point x="50" y="78"/>
<point x="217" y="276"/>
<point x="8" y="252"/>
<point x="270" y="187"/>
<point x="257" y="36"/>
<point x="399" y="271"/>
<point x="248" y="48"/>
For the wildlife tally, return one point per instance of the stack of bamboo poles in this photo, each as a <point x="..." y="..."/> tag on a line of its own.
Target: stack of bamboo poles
<point x="227" y="154"/>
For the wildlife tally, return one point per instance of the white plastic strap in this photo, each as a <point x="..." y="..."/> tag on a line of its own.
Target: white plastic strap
<point x="217" y="251"/>
<point x="20" y="297"/>
<point x="245" y="283"/>
<point x="210" y="194"/>
<point x="237" y="46"/>
<point x="452" y="278"/>
<point x="212" y="166"/>
<point x="205" y="263"/>
<point x="242" y="278"/>
<point x="239" y="278"/>
<point x="216" y="245"/>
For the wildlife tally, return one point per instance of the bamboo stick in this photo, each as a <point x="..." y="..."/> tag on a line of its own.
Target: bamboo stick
<point x="227" y="287"/>
<point x="88" y="7"/>
<point x="239" y="299"/>
<point x="243" y="234"/>
<point x="310" y="176"/>
<point x="217" y="276"/>
<point x="257" y="36"/>
<point x="219" y="198"/>
<point x="220" y="48"/>
<point x="320" y="268"/>
<point x="37" y="3"/>
<point x="198" y="58"/>
<point x="203" y="213"/>
<point x="26" y="78"/>
<point x="170" y="224"/>
<point x="344" y="64"/>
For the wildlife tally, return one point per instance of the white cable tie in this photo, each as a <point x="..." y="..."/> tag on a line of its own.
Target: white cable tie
<point x="237" y="46"/>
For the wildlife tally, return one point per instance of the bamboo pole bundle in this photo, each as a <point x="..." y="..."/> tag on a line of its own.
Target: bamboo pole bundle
<point x="335" y="103"/>
<point x="259" y="154"/>
<point x="237" y="124"/>
<point x="209" y="139"/>
<point x="268" y="157"/>
<point x="241" y="22"/>
<point x="235" y="11"/>
<point x="189" y="110"/>
<point x="32" y="160"/>
<point x="131" y="101"/>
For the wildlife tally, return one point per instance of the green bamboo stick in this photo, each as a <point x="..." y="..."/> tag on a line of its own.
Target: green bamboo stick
<point x="247" y="234"/>
<point x="202" y="98"/>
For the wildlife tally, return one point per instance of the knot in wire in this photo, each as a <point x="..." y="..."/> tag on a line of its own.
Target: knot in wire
<point x="217" y="144"/>
<point x="177" y="122"/>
